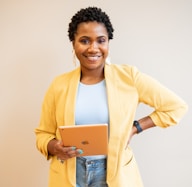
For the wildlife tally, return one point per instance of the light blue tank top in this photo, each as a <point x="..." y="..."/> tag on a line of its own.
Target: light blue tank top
<point x="92" y="106"/>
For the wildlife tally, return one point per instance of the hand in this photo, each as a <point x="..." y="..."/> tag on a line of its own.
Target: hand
<point x="56" y="147"/>
<point x="145" y="123"/>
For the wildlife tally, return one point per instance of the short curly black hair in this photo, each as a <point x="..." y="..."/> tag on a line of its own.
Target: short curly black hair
<point x="87" y="15"/>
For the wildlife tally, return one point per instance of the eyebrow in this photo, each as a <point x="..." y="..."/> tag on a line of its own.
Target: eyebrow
<point x="97" y="37"/>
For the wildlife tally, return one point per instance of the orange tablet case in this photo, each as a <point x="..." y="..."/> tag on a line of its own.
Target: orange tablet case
<point x="92" y="138"/>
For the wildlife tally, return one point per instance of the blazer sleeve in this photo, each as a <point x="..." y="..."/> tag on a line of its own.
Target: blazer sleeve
<point x="46" y="130"/>
<point x="169" y="108"/>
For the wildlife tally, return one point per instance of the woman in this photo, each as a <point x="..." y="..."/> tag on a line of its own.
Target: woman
<point x="100" y="92"/>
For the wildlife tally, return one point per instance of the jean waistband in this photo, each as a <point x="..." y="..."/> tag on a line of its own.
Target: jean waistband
<point x="94" y="161"/>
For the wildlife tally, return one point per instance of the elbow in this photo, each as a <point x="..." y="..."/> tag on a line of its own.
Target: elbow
<point x="171" y="117"/>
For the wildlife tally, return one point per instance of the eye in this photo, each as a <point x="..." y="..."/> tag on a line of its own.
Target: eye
<point x="84" y="41"/>
<point x="101" y="40"/>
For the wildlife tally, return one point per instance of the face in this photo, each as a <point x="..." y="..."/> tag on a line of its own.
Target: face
<point x="91" y="45"/>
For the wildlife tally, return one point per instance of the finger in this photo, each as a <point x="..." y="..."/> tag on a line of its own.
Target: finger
<point x="60" y="160"/>
<point x="79" y="152"/>
<point x="71" y="153"/>
<point x="69" y="149"/>
<point x="65" y="152"/>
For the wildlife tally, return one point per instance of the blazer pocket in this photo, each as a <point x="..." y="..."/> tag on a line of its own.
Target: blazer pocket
<point x="55" y="165"/>
<point x="127" y="156"/>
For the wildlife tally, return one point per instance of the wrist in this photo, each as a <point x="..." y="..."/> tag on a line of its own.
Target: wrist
<point x="134" y="130"/>
<point x="137" y="126"/>
<point x="51" y="147"/>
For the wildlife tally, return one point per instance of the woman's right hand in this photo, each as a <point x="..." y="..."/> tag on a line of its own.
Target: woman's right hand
<point x="56" y="148"/>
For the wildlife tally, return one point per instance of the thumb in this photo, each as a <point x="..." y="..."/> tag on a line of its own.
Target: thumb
<point x="60" y="143"/>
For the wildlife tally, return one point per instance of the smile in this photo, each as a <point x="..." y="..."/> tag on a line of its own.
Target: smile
<point x="93" y="58"/>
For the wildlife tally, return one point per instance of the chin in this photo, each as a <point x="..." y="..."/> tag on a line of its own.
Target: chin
<point x="94" y="65"/>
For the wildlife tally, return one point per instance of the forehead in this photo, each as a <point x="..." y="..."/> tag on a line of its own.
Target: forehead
<point x="91" y="29"/>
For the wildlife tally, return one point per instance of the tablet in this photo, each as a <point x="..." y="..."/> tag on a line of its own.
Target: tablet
<point x="91" y="138"/>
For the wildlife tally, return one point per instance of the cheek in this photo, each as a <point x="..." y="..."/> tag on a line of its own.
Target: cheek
<point x="105" y="48"/>
<point x="79" y="48"/>
<point x="106" y="51"/>
<point x="78" y="51"/>
<point x="78" y="55"/>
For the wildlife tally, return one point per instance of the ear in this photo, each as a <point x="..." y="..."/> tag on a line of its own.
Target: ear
<point x="73" y="43"/>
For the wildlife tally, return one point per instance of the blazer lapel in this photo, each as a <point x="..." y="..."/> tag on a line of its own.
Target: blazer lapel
<point x="114" y="118"/>
<point x="72" y="87"/>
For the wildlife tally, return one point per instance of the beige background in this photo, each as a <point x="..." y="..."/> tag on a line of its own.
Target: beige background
<point x="154" y="35"/>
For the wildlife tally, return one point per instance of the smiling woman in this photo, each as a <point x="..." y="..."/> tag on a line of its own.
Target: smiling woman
<point x="91" y="45"/>
<point x="98" y="92"/>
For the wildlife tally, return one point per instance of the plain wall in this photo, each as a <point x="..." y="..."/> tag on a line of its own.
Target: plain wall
<point x="154" y="35"/>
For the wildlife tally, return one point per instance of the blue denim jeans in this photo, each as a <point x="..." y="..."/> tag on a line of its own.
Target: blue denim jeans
<point x="91" y="173"/>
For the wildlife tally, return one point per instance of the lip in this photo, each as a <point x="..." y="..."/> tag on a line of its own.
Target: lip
<point x="93" y="58"/>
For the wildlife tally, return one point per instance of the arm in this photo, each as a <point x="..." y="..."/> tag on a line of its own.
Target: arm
<point x="168" y="107"/>
<point x="145" y="123"/>
<point x="46" y="134"/>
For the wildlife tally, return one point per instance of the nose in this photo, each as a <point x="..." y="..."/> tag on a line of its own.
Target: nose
<point x="93" y="47"/>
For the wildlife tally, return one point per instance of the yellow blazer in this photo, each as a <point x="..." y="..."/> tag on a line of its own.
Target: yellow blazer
<point x="126" y="88"/>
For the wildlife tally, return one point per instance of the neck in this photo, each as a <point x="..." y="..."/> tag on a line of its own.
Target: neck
<point x="92" y="77"/>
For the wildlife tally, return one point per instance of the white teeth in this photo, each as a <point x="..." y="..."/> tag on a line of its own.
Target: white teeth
<point x="93" y="58"/>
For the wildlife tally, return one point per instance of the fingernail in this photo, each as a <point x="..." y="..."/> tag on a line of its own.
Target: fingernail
<point x="73" y="148"/>
<point x="80" y="151"/>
